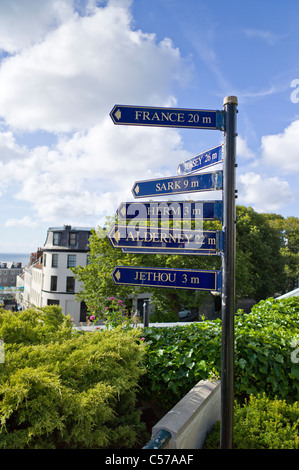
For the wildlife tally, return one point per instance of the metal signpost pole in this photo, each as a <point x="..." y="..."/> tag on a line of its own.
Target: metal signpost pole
<point x="228" y="274"/>
<point x="145" y="314"/>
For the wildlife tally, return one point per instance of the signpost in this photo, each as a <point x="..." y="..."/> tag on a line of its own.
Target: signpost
<point x="185" y="210"/>
<point x="168" y="278"/>
<point x="165" y="240"/>
<point x="223" y="281"/>
<point x="201" y="161"/>
<point x="178" y="185"/>
<point x="228" y="271"/>
<point x="167" y="117"/>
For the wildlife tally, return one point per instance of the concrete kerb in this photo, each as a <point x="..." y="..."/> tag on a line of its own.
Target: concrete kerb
<point x="192" y="417"/>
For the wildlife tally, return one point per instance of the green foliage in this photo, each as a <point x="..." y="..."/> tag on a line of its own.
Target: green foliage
<point x="98" y="285"/>
<point x="163" y="317"/>
<point x="76" y="393"/>
<point x="115" y="314"/>
<point x="35" y="326"/>
<point x="263" y="349"/>
<point x="177" y="358"/>
<point x="266" y="263"/>
<point x="259" y="261"/>
<point x="262" y="423"/>
<point x="289" y="229"/>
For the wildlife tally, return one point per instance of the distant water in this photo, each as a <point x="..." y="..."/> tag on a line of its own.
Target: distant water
<point x="16" y="257"/>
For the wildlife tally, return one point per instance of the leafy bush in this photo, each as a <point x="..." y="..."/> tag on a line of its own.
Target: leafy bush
<point x="264" y="347"/>
<point x="262" y="423"/>
<point x="177" y="358"/>
<point x="75" y="393"/>
<point x="163" y="317"/>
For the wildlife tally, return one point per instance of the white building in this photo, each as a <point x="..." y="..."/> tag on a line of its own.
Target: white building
<point x="50" y="280"/>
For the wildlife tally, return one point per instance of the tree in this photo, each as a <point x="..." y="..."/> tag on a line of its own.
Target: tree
<point x="289" y="229"/>
<point x="98" y="285"/>
<point x="259" y="266"/>
<point x="259" y="257"/>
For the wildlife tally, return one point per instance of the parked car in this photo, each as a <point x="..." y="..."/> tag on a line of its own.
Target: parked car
<point x="188" y="315"/>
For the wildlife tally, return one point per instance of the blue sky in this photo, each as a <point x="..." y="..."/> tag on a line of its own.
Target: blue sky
<point x="65" y="64"/>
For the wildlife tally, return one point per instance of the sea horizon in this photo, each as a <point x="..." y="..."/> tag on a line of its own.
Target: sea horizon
<point x="15" y="257"/>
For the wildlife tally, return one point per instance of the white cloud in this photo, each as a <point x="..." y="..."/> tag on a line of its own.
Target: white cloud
<point x="24" y="222"/>
<point x="24" y="22"/>
<point x="86" y="176"/>
<point x="9" y="149"/>
<point x="243" y="151"/>
<point x="72" y="78"/>
<point x="282" y="150"/>
<point x="68" y="82"/>
<point x="262" y="193"/>
<point x="266" y="36"/>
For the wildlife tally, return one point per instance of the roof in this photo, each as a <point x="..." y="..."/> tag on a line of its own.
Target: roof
<point x="70" y="228"/>
<point x="292" y="293"/>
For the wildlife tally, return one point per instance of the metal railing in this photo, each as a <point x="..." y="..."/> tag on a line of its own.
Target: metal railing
<point x="159" y="440"/>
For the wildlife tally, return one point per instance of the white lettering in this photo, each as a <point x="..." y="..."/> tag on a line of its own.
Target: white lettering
<point x="295" y="93"/>
<point x="116" y="460"/>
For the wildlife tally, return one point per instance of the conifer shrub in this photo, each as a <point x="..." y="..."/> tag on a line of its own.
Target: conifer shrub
<point x="64" y="390"/>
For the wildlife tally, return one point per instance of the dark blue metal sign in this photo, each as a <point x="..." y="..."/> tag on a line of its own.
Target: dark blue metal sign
<point x="207" y="242"/>
<point x="201" y="161"/>
<point x="184" y="210"/>
<point x="168" y="278"/>
<point x="178" y="185"/>
<point x="167" y="117"/>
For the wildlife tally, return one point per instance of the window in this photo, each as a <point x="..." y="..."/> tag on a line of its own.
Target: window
<point x="71" y="261"/>
<point x="56" y="238"/>
<point x="72" y="239"/>
<point x="45" y="256"/>
<point x="52" y="302"/>
<point x="53" y="283"/>
<point x="70" y="284"/>
<point x="83" y="311"/>
<point x="54" y="261"/>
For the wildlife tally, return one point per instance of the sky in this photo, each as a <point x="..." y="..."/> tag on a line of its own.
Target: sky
<point x="64" y="64"/>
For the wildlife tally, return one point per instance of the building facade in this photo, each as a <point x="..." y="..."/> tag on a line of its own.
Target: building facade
<point x="50" y="280"/>
<point x="9" y="272"/>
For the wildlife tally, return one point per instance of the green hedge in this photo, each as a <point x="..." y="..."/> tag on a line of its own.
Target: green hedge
<point x="61" y="389"/>
<point x="261" y="423"/>
<point x="177" y="358"/>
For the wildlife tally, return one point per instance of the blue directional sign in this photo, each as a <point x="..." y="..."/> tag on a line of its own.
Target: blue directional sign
<point x="159" y="239"/>
<point x="175" y="210"/>
<point x="168" y="278"/>
<point x="201" y="161"/>
<point x="167" y="117"/>
<point x="178" y="185"/>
